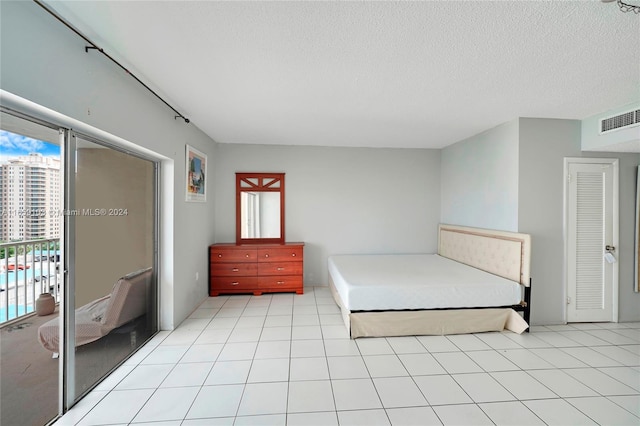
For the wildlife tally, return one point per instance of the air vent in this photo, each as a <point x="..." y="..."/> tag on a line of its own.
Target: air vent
<point x="619" y="121"/>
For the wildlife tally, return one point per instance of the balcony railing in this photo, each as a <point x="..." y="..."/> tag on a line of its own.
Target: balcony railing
<point x="27" y="269"/>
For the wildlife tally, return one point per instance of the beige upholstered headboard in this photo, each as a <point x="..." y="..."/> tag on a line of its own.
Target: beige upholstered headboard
<point x="507" y="254"/>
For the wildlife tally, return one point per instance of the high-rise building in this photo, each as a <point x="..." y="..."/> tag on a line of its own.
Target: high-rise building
<point x="30" y="198"/>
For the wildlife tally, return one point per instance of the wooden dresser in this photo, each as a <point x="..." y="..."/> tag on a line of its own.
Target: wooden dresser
<point x="255" y="268"/>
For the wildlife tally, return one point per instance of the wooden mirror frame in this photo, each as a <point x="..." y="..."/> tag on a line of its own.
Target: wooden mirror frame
<point x="260" y="182"/>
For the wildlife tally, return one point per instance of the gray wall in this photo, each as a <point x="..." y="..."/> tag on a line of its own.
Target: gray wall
<point x="540" y="146"/>
<point x="543" y="146"/>
<point x="629" y="300"/>
<point x="46" y="63"/>
<point x="341" y="200"/>
<point x="480" y="180"/>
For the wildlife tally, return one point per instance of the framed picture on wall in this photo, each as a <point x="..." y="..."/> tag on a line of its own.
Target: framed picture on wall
<point x="196" y="179"/>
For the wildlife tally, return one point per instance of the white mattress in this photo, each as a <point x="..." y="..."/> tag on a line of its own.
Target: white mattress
<point x="417" y="281"/>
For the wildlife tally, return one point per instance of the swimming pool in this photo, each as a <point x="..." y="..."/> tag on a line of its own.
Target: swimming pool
<point x="20" y="275"/>
<point x="12" y="312"/>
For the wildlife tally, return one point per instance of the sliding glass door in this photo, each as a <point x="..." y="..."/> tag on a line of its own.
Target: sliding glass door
<point x="111" y="259"/>
<point x="29" y="268"/>
<point x="78" y="263"/>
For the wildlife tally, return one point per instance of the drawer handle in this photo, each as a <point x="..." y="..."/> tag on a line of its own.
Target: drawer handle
<point x="235" y="283"/>
<point x="235" y="269"/>
<point x="219" y="255"/>
<point x="246" y="255"/>
<point x="266" y="255"/>
<point x="280" y="282"/>
<point x="293" y="254"/>
<point x="280" y="269"/>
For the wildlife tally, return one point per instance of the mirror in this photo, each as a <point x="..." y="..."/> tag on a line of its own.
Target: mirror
<point x="259" y="208"/>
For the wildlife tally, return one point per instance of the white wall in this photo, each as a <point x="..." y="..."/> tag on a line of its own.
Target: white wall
<point x="46" y="63"/>
<point x="341" y="200"/>
<point x="480" y="180"/>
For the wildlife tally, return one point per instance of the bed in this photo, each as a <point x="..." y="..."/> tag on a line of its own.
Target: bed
<point x="478" y="281"/>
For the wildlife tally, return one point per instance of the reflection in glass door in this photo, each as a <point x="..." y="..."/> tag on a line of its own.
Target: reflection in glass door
<point x="110" y="259"/>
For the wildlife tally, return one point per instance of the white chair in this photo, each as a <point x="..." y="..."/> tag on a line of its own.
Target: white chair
<point x="127" y="301"/>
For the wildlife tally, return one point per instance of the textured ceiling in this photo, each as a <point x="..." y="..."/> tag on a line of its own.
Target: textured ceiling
<point x="377" y="74"/>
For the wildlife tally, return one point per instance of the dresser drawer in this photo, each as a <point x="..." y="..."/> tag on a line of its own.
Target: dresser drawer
<point x="280" y="268"/>
<point x="233" y="283"/>
<point x="233" y="269"/>
<point x="257" y="269"/>
<point x="279" y="254"/>
<point x="276" y="282"/>
<point x="233" y="254"/>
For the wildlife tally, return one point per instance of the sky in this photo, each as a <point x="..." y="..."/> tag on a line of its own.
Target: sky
<point x="13" y="145"/>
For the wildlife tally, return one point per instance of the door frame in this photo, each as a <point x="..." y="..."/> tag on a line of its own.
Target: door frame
<point x="616" y="227"/>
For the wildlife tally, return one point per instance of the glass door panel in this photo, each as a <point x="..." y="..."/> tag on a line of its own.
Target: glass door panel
<point x="30" y="203"/>
<point x="112" y="261"/>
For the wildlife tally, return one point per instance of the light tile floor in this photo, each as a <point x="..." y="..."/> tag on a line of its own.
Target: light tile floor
<point x="286" y="359"/>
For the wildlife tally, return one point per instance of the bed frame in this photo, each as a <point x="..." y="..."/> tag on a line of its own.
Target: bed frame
<point x="502" y="253"/>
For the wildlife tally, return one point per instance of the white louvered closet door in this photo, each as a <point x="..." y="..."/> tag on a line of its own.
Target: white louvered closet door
<point x="590" y="231"/>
